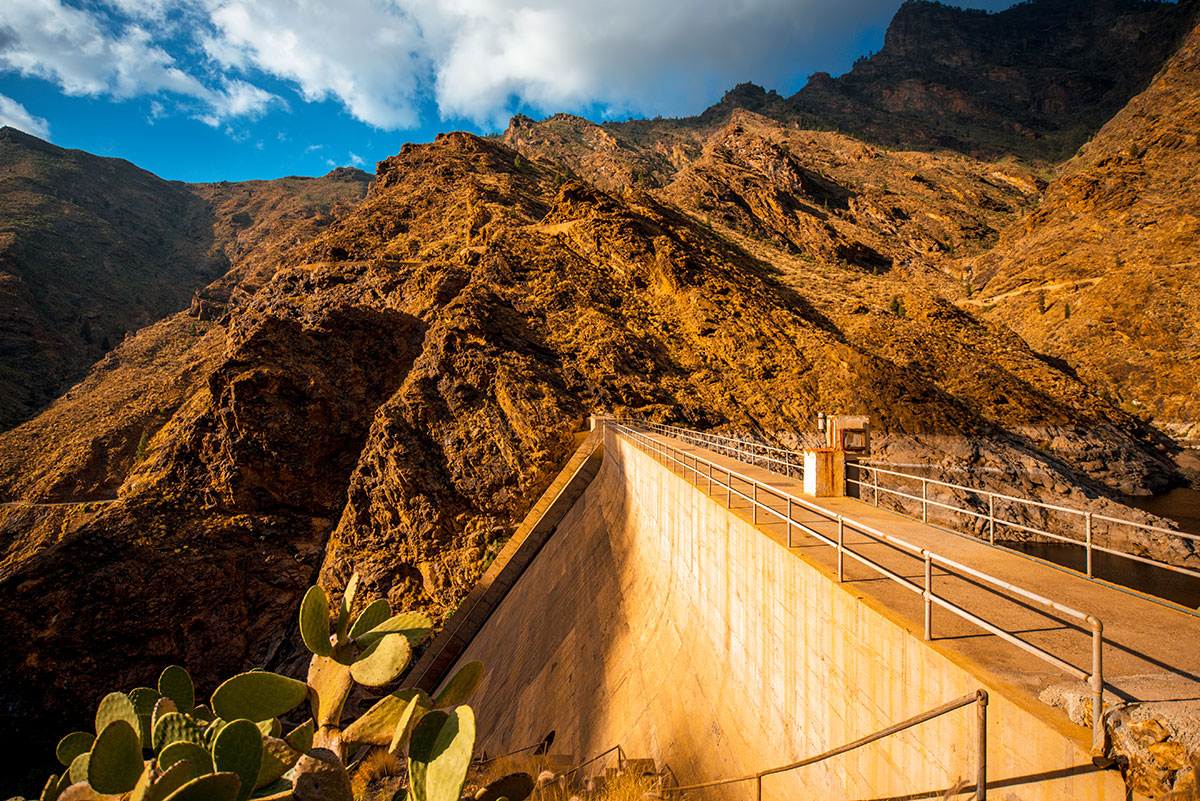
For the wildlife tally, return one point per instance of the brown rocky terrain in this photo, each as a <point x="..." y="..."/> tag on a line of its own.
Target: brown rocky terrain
<point x="1035" y="80"/>
<point x="1102" y="273"/>
<point x="385" y="385"/>
<point x="397" y="393"/>
<point x="136" y="248"/>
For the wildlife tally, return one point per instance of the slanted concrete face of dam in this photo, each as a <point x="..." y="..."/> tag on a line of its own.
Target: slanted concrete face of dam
<point x="658" y="619"/>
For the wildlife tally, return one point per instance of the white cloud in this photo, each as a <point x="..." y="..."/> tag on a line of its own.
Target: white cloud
<point x="14" y="114"/>
<point x="80" y="52"/>
<point x="356" y="159"/>
<point x="383" y="60"/>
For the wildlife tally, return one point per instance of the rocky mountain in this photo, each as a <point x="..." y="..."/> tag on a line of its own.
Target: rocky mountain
<point x="1102" y="273"/>
<point x="1035" y="80"/>
<point x="135" y="249"/>
<point x="384" y="384"/>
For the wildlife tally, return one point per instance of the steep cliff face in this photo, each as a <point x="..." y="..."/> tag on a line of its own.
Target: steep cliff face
<point x="1102" y="273"/>
<point x="1034" y="80"/>
<point x="135" y="249"/>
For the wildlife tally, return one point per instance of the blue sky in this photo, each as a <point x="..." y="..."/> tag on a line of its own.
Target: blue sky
<point x="208" y="90"/>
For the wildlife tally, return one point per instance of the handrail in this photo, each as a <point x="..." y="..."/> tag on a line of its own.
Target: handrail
<point x="979" y="699"/>
<point x="993" y="519"/>
<point x="1095" y="678"/>
<point x="620" y="759"/>
<point x="736" y="447"/>
<point x="744" y="450"/>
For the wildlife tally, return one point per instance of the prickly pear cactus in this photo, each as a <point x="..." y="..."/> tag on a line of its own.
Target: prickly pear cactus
<point x="235" y="747"/>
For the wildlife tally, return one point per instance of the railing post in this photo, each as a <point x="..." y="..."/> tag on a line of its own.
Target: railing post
<point x="924" y="501"/>
<point x="875" y="481"/>
<point x="709" y="477"/>
<point x="754" y="503"/>
<point x="728" y="490"/>
<point x="1087" y="518"/>
<point x="1097" y="682"/>
<point x="991" y="518"/>
<point x="981" y="702"/>
<point x="841" y="547"/>
<point x="928" y="594"/>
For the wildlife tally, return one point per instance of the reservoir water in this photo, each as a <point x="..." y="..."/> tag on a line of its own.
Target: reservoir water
<point x="1181" y="505"/>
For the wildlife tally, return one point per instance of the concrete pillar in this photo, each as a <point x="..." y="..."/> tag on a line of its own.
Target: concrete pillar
<point x="824" y="473"/>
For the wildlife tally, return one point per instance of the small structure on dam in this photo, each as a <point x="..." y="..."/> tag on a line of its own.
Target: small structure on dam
<point x="707" y="614"/>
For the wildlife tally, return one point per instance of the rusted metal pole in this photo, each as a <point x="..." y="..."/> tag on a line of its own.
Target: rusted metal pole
<point x="1097" y="682"/>
<point x="981" y="704"/>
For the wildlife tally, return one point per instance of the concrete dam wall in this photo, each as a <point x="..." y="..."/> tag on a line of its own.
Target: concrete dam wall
<point x="657" y="619"/>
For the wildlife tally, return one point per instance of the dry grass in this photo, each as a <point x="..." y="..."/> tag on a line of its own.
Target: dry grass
<point x="377" y="776"/>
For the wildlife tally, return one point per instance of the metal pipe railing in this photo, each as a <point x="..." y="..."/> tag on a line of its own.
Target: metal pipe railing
<point x="1088" y="519"/>
<point x="792" y="462"/>
<point x="782" y="460"/>
<point x="979" y="699"/>
<point x="1095" y="677"/>
<point x="620" y="760"/>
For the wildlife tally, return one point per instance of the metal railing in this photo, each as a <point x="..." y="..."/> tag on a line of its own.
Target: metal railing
<point x="791" y="463"/>
<point x="978" y="699"/>
<point x="780" y="460"/>
<point x="995" y="521"/>
<point x="712" y="473"/>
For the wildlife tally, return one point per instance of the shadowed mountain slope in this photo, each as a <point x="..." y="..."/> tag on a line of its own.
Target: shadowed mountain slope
<point x="1103" y="273"/>
<point x="93" y="248"/>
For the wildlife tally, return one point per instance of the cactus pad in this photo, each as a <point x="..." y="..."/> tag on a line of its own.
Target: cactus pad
<point x="331" y="684"/>
<point x="314" y="621"/>
<point x="183" y="751"/>
<point x="320" y="776"/>
<point x="116" y="706"/>
<point x="239" y="749"/>
<point x="258" y="695"/>
<point x="378" y="725"/>
<point x="162" y="707"/>
<point x="383" y="661"/>
<point x="301" y="737"/>
<point x="461" y="687"/>
<point x="168" y="782"/>
<point x="116" y="762"/>
<point x="175" y="727"/>
<point x="74" y="744"/>
<point x="343" y="622"/>
<point x="175" y="683"/>
<point x="78" y="771"/>
<point x="440" y="754"/>
<point x="144" y="700"/>
<point x="375" y="613"/>
<point x="408" y="720"/>
<point x="277" y="758"/>
<point x="413" y="625"/>
<point x="513" y="787"/>
<point x="50" y="790"/>
<point x="213" y="787"/>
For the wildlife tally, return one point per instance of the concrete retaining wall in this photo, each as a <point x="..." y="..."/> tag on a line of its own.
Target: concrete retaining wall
<point x="657" y="619"/>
